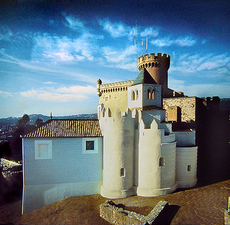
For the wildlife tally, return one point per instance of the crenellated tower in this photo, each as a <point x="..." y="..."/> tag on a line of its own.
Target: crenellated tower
<point x="157" y="66"/>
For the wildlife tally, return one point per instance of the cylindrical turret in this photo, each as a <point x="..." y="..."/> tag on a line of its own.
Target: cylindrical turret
<point x="118" y="156"/>
<point x="157" y="66"/>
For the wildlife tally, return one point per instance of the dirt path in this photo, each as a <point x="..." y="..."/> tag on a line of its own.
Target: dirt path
<point x="203" y="205"/>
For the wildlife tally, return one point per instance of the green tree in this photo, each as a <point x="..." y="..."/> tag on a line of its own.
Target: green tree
<point x="22" y="127"/>
<point x="38" y="122"/>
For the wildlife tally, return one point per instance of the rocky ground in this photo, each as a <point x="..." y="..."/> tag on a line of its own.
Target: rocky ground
<point x="204" y="205"/>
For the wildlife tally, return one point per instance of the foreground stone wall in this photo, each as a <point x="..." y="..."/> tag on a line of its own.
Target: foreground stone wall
<point x="117" y="215"/>
<point x="227" y="214"/>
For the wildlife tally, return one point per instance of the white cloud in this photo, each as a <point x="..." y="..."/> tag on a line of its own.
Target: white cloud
<point x="55" y="70"/>
<point x="212" y="63"/>
<point x="49" y="82"/>
<point x="200" y="90"/>
<point x="181" y="41"/>
<point x="115" y="29"/>
<point x="5" y="33"/>
<point x="149" y="31"/>
<point x="125" y="59"/>
<point x="74" y="23"/>
<point x="63" y="94"/>
<point x="6" y="94"/>
<point x="63" y="48"/>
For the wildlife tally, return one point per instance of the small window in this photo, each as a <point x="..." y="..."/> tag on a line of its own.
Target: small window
<point x="149" y="94"/>
<point x="161" y="161"/>
<point x="189" y="168"/>
<point x="122" y="172"/>
<point x="89" y="145"/>
<point x="136" y="94"/>
<point x="153" y="95"/>
<point x="133" y="95"/>
<point x="43" y="149"/>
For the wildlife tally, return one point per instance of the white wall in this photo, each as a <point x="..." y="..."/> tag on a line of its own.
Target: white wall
<point x="186" y="156"/>
<point x="118" y="149"/>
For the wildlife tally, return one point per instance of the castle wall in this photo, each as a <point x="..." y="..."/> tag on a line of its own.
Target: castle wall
<point x="114" y="95"/>
<point x="187" y="107"/>
<point x="186" y="168"/>
<point x="149" y="179"/>
<point x="185" y="138"/>
<point x="149" y="115"/>
<point x="138" y="96"/>
<point x="118" y="157"/>
<point x="168" y="169"/>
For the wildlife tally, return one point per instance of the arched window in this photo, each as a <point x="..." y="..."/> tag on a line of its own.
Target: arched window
<point x="136" y="94"/>
<point x="153" y="94"/>
<point x="161" y="161"/>
<point x="156" y="64"/>
<point x="133" y="95"/>
<point x="149" y="94"/>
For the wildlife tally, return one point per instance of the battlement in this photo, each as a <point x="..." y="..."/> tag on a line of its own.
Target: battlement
<point x="113" y="87"/>
<point x="153" y="60"/>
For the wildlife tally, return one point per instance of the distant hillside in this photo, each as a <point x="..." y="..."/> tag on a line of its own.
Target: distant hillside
<point x="11" y="121"/>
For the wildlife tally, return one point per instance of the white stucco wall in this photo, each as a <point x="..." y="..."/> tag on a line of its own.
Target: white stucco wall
<point x="186" y="167"/>
<point x="185" y="138"/>
<point x="149" y="172"/>
<point x="142" y="100"/>
<point x="118" y="157"/>
<point x="69" y="172"/>
<point x="168" y="170"/>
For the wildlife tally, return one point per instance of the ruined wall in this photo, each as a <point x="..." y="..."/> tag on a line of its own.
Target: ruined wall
<point x="186" y="106"/>
<point x="117" y="215"/>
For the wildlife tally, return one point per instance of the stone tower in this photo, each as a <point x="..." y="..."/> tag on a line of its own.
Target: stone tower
<point x="157" y="66"/>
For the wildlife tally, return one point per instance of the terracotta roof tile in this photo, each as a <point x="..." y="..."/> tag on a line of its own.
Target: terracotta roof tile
<point x="67" y="128"/>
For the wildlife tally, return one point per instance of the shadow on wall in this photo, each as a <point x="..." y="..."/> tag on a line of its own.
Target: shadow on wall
<point x="212" y="136"/>
<point x="168" y="215"/>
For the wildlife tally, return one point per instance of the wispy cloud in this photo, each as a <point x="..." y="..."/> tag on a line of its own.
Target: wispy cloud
<point x="53" y="69"/>
<point x="48" y="82"/>
<point x="124" y="59"/>
<point x="6" y="94"/>
<point x="65" y="48"/>
<point x="180" y="41"/>
<point x="150" y="32"/>
<point x="119" y="29"/>
<point x="215" y="64"/>
<point x="63" y="94"/>
<point x="5" y="33"/>
<point x="200" y="90"/>
<point x="73" y="22"/>
<point x="116" y="29"/>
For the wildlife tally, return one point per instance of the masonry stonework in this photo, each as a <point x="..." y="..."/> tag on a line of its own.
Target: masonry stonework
<point x="187" y="106"/>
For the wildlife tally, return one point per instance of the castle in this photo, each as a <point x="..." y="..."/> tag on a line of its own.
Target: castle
<point x="131" y="149"/>
<point x="141" y="153"/>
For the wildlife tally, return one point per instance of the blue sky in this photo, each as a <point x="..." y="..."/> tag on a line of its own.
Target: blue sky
<point x="53" y="52"/>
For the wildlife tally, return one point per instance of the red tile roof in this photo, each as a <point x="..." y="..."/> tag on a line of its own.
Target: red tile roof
<point x="67" y="128"/>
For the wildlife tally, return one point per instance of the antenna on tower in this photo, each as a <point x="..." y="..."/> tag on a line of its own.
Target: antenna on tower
<point x="136" y="39"/>
<point x="146" y="45"/>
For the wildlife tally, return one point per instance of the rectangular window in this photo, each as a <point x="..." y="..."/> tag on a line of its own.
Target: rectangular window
<point x="89" y="145"/>
<point x="189" y="168"/>
<point x="122" y="172"/>
<point x="43" y="149"/>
